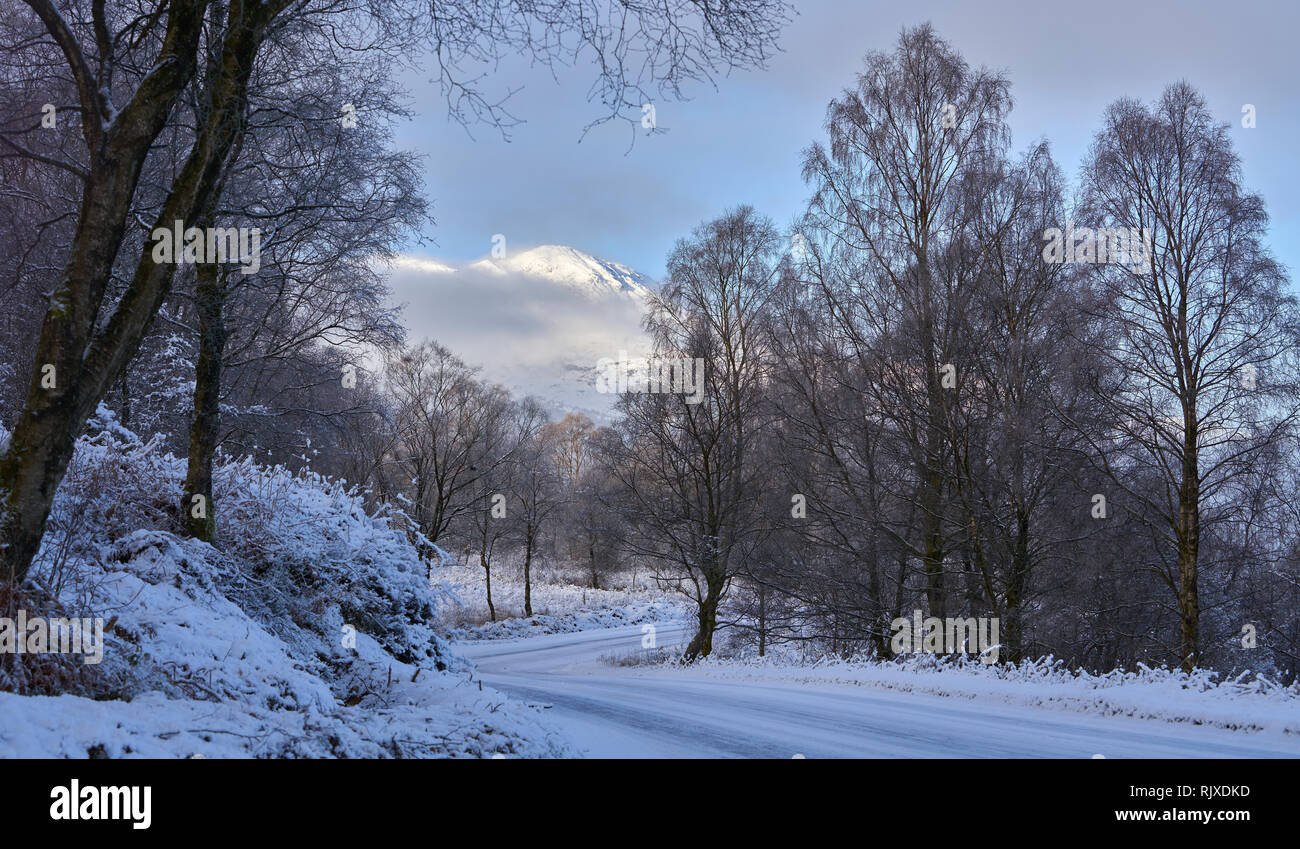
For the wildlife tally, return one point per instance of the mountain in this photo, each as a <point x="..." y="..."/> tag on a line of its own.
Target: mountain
<point x="592" y="278"/>
<point x="537" y="321"/>
<point x="583" y="274"/>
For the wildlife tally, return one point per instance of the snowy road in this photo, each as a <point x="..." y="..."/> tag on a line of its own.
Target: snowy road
<point x="619" y="711"/>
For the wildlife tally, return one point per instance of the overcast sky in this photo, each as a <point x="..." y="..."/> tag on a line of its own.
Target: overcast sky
<point x="741" y="143"/>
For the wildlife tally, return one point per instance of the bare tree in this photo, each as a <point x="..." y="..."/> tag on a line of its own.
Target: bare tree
<point x="535" y="483"/>
<point x="1203" y="352"/>
<point x="590" y="523"/>
<point x="451" y="435"/>
<point x="1016" y="456"/>
<point x="146" y="63"/>
<point x="129" y="67"/>
<point x="690" y="464"/>
<point x="330" y="202"/>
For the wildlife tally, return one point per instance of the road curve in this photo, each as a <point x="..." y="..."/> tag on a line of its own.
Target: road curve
<point x="614" y="711"/>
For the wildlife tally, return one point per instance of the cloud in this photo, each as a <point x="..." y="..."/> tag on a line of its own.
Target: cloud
<point x="532" y="334"/>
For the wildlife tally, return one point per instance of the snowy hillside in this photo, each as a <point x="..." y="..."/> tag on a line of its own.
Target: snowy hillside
<point x="310" y="632"/>
<point x="592" y="278"/>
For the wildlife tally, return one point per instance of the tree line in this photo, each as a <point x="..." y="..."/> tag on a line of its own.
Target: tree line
<point x="911" y="400"/>
<point x="122" y="120"/>
<point x="917" y="402"/>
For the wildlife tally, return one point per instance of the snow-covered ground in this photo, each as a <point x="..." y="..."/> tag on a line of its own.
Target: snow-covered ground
<point x="560" y="605"/>
<point x="731" y="709"/>
<point x="315" y="630"/>
<point x="632" y="613"/>
<point x="309" y="633"/>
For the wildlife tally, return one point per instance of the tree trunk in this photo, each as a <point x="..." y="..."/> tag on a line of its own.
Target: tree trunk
<point x="487" y="574"/>
<point x="40" y="449"/>
<point x="1189" y="543"/>
<point x="207" y="395"/>
<point x="87" y="357"/>
<point x="1016" y="585"/>
<point x="701" y="644"/>
<point x="932" y="557"/>
<point x="932" y="470"/>
<point x="528" y="563"/>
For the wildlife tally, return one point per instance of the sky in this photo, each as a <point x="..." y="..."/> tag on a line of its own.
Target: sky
<point x="524" y="331"/>
<point x="742" y="142"/>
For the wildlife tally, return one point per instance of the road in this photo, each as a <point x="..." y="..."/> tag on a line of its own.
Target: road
<point x="618" y="711"/>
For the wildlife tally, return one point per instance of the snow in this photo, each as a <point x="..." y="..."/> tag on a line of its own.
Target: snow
<point x="1254" y="705"/>
<point x="536" y="321"/>
<point x="584" y="273"/>
<point x="636" y="613"/>
<point x="592" y="278"/>
<point x="429" y="266"/>
<point x="559" y="606"/>
<point x="245" y="649"/>
<point x="782" y="708"/>
<point x="486" y="266"/>
<point x="242" y="650"/>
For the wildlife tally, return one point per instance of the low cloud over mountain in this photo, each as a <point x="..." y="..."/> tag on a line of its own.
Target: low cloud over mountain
<point x="537" y="321"/>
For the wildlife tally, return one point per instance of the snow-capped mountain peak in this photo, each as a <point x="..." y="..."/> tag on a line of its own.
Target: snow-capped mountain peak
<point x="538" y="321"/>
<point x="592" y="277"/>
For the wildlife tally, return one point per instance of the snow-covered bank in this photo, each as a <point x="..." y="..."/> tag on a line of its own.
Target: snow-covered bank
<point x="635" y="613"/>
<point x="309" y="631"/>
<point x="1246" y="703"/>
<point x="559" y="605"/>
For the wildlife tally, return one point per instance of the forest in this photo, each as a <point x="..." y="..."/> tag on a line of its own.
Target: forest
<point x="959" y="381"/>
